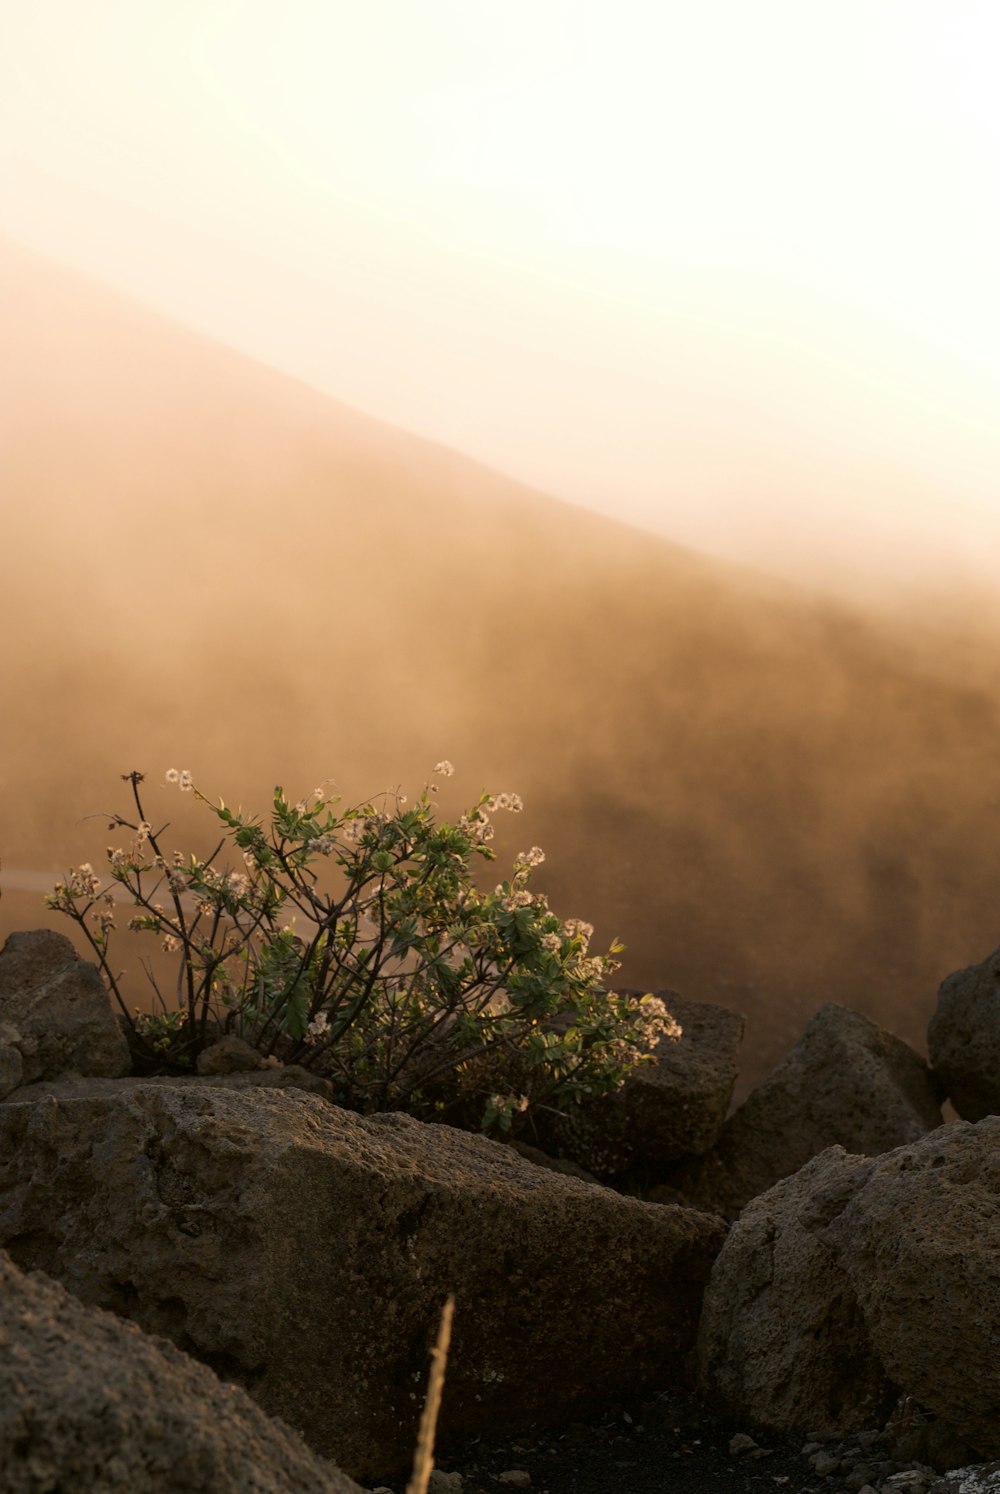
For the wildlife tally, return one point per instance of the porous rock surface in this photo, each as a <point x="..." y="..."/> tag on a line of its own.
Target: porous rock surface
<point x="58" y="1008"/>
<point x="903" y="1272"/>
<point x="284" y="1076"/>
<point x="90" y="1403"/>
<point x="11" y="1061"/>
<point x="963" y="1038"/>
<point x="306" y="1252"/>
<point x="783" y="1343"/>
<point x="674" y="1107"/>
<point x="847" y="1082"/>
<point x="919" y="1241"/>
<point x="229" y="1055"/>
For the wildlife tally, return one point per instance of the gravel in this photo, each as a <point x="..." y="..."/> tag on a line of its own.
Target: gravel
<point x="673" y="1444"/>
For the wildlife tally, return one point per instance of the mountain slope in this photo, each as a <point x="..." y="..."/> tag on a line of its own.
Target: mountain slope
<point x="774" y="800"/>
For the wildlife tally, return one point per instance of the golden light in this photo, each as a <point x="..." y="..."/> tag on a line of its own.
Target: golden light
<point x="705" y="265"/>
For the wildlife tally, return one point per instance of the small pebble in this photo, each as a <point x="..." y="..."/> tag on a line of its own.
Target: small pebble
<point x="517" y="1478"/>
<point x="741" y="1443"/>
<point x="444" y="1483"/>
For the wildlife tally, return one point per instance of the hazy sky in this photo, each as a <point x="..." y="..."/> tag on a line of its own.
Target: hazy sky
<point x="727" y="269"/>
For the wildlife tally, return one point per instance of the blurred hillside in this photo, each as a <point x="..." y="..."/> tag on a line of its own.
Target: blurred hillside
<point x="773" y="798"/>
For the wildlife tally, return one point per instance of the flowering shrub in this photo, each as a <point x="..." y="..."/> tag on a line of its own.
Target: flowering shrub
<point x="354" y="941"/>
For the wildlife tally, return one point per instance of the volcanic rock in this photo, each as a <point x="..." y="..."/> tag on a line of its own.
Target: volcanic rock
<point x="919" y="1242"/>
<point x="671" y="1108"/>
<point x="305" y="1252"/>
<point x="90" y="1403"/>
<point x="846" y="1083"/>
<point x="783" y="1343"/>
<point x="59" y="1007"/>
<point x="963" y="1039"/>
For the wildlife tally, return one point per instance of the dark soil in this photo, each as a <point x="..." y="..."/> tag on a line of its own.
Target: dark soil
<point x="666" y="1444"/>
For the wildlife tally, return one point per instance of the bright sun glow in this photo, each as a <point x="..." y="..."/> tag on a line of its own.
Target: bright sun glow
<point x="704" y="265"/>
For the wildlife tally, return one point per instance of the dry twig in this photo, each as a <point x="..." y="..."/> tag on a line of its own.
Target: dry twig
<point x="423" y="1458"/>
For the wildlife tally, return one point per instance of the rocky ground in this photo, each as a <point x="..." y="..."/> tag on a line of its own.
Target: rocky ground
<point x="661" y="1445"/>
<point x="672" y="1444"/>
<point x="859" y="1265"/>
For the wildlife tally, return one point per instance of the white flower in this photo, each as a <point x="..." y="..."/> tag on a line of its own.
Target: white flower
<point x="655" y="1022"/>
<point x="513" y="803"/>
<point x="519" y="898"/>
<point x="319" y="1026"/>
<point x="476" y="826"/>
<point x="528" y="859"/>
<point x="445" y="768"/>
<point x="83" y="882"/>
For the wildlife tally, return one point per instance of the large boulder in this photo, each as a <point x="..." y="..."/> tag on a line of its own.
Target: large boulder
<point x="72" y="1086"/>
<point x="90" y="1403"/>
<point x="11" y="1060"/>
<point x="58" y="1008"/>
<point x="305" y="1252"/>
<point x="783" y="1344"/>
<point x="673" y="1107"/>
<point x="846" y="1083"/>
<point x="902" y="1270"/>
<point x="963" y="1039"/>
<point x="919" y="1241"/>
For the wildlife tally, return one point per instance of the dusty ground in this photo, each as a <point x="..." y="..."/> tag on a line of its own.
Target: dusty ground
<point x="663" y="1445"/>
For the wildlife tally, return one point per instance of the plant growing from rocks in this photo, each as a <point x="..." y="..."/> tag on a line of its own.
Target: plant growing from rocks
<point x="354" y="941"/>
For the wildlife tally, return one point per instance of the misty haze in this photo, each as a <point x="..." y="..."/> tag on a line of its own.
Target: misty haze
<point x="773" y="797"/>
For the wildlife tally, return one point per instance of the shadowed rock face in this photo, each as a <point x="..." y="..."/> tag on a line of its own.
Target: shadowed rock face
<point x="846" y="1083"/>
<point x="55" y="1009"/>
<point x="964" y="1039"/>
<point x="670" y="1108"/>
<point x="919" y="1241"/>
<point x="304" y="1252"/>
<point x="860" y="1278"/>
<point x="772" y="799"/>
<point x="782" y="1342"/>
<point x="89" y="1402"/>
